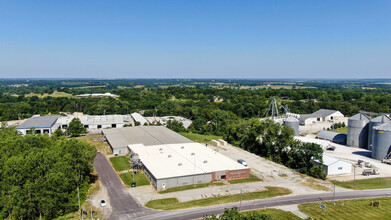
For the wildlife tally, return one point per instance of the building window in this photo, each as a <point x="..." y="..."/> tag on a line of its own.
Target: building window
<point x="339" y="168"/>
<point x="85" y="126"/>
<point x="64" y="126"/>
<point x="318" y="119"/>
<point x="113" y="125"/>
<point x="230" y="176"/>
<point x="99" y="126"/>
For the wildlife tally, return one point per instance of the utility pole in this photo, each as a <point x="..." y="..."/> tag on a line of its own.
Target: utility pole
<point x="334" y="192"/>
<point x="78" y="198"/>
<point x="354" y="172"/>
<point x="240" y="204"/>
<point x="194" y="170"/>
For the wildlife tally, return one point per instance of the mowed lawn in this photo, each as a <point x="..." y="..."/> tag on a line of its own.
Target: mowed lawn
<point x="376" y="183"/>
<point x="350" y="209"/>
<point x="277" y="214"/>
<point x="139" y="178"/>
<point x="173" y="203"/>
<point x="120" y="163"/>
<point x="200" y="137"/>
<point x="343" y="130"/>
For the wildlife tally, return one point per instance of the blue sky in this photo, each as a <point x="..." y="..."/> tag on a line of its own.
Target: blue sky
<point x="195" y="39"/>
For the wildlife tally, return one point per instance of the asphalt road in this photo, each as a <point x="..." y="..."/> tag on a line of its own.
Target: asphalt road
<point x="122" y="203"/>
<point x="327" y="198"/>
<point x="126" y="207"/>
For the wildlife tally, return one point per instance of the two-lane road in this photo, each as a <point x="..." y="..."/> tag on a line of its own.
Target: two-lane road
<point x="126" y="207"/>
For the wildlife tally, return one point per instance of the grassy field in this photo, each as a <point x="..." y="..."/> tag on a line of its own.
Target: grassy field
<point x="350" y="209"/>
<point x="252" y="178"/>
<point x="376" y="183"/>
<point x="341" y="130"/>
<point x="276" y="214"/>
<point x="139" y="178"/>
<point x="188" y="187"/>
<point x="173" y="203"/>
<point x="54" y="95"/>
<point x="200" y="137"/>
<point x="120" y="163"/>
<point x="96" y="140"/>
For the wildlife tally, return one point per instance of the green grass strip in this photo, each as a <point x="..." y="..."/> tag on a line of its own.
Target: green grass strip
<point x="376" y="183"/>
<point x="120" y="163"/>
<point x="139" y="178"/>
<point x="349" y="209"/>
<point x="174" y="204"/>
<point x="252" y="178"/>
<point x="188" y="187"/>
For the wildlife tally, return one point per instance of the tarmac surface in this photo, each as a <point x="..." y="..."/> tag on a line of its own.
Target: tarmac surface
<point x="124" y="206"/>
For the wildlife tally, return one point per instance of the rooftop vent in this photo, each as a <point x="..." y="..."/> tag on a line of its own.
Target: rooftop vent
<point x="182" y="147"/>
<point x="205" y="161"/>
<point x="160" y="149"/>
<point x="179" y="164"/>
<point x="169" y="155"/>
<point x="193" y="153"/>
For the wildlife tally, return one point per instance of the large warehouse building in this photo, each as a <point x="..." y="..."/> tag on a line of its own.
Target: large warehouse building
<point x="169" y="159"/>
<point x="120" y="138"/>
<point x="172" y="165"/>
<point x="40" y="124"/>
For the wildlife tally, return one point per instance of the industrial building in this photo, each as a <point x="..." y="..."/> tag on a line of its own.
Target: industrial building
<point x="358" y="131"/>
<point x="98" y="95"/>
<point x="321" y="115"/>
<point x="137" y="117"/>
<point x="118" y="139"/>
<point x="172" y="165"/>
<point x="96" y="122"/>
<point x="332" y="136"/>
<point x="334" y="166"/>
<point x="40" y="124"/>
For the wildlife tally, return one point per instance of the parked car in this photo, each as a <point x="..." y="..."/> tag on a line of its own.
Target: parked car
<point x="243" y="162"/>
<point x="103" y="203"/>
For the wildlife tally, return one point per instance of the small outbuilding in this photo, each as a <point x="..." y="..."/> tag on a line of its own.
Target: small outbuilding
<point x="40" y="124"/>
<point x="334" y="166"/>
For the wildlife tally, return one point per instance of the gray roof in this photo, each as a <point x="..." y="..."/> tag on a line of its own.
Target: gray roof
<point x="39" y="122"/>
<point x="291" y="119"/>
<point x="383" y="127"/>
<point x="360" y="116"/>
<point x="332" y="136"/>
<point x="146" y="135"/>
<point x="318" y="114"/>
<point x="381" y="118"/>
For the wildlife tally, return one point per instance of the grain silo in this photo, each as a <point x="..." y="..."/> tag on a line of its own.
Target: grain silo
<point x="293" y="123"/>
<point x="373" y="123"/>
<point x="381" y="141"/>
<point x="358" y="131"/>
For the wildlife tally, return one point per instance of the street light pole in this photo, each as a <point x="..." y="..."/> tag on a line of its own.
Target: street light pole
<point x="334" y="192"/>
<point x="354" y="171"/>
<point x="194" y="170"/>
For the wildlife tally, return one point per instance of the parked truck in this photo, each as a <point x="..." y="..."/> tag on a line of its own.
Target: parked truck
<point x="368" y="172"/>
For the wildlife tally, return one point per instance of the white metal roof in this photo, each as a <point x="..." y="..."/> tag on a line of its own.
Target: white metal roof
<point x="327" y="160"/>
<point x="96" y="119"/>
<point x="138" y="117"/>
<point x="174" y="160"/>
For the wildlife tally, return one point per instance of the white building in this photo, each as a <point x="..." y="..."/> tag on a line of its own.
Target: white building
<point x="96" y="122"/>
<point x="334" y="166"/>
<point x="322" y="115"/>
<point x="172" y="165"/>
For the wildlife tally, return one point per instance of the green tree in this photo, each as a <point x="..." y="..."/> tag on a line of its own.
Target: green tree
<point x="175" y="125"/>
<point x="75" y="128"/>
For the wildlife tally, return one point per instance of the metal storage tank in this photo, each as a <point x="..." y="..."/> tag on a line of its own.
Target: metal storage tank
<point x="358" y="131"/>
<point x="381" y="141"/>
<point x="375" y="122"/>
<point x="293" y="123"/>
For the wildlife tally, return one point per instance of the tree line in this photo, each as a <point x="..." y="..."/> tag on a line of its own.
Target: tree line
<point x="40" y="175"/>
